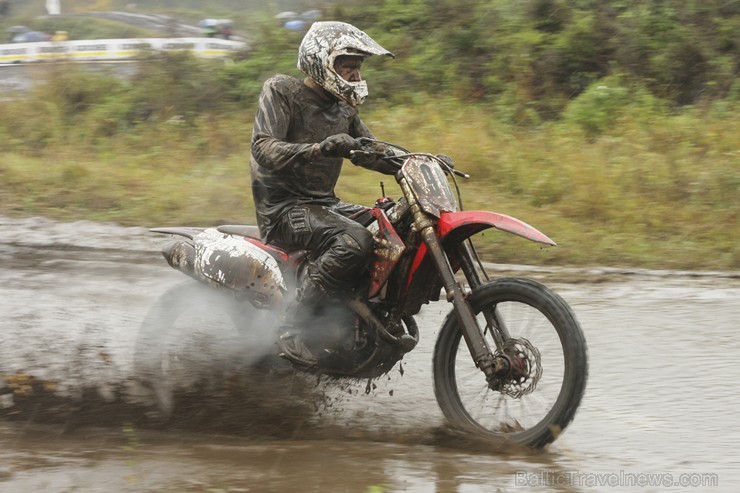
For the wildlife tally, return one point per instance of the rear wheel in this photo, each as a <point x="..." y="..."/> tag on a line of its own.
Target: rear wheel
<point x="538" y="398"/>
<point x="193" y="331"/>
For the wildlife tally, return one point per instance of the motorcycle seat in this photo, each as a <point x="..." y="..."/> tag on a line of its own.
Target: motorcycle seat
<point x="241" y="230"/>
<point x="281" y="253"/>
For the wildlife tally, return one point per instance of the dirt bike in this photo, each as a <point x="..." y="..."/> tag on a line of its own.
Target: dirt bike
<point x="510" y="360"/>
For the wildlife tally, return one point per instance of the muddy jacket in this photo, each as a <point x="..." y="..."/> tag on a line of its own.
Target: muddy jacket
<point x="292" y="118"/>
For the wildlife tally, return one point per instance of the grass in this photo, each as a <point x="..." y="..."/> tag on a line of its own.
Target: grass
<point x="661" y="193"/>
<point x="658" y="190"/>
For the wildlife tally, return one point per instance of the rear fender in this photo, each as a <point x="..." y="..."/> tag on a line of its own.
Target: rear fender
<point x="188" y="233"/>
<point x="224" y="260"/>
<point x="240" y="265"/>
<point x="179" y="253"/>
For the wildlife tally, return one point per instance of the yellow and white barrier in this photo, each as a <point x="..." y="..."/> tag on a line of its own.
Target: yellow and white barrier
<point x="114" y="49"/>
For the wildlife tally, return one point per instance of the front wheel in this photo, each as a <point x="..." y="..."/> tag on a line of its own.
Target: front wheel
<point x="534" y="404"/>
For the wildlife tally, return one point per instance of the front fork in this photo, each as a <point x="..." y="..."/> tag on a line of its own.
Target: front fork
<point x="492" y="366"/>
<point x="494" y="320"/>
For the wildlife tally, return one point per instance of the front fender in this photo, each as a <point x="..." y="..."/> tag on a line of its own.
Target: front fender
<point x="456" y="226"/>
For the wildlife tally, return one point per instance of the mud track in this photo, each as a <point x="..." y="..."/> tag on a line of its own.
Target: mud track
<point x="661" y="396"/>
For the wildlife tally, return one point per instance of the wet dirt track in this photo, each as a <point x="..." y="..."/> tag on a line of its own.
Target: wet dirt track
<point x="659" y="412"/>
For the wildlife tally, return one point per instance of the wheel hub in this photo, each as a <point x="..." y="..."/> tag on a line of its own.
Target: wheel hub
<point x="517" y="368"/>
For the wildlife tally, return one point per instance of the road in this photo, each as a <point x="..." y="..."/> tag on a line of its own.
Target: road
<point x="659" y="410"/>
<point x="163" y="24"/>
<point x="19" y="78"/>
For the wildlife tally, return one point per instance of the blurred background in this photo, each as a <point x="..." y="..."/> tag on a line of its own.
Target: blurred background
<point x="610" y="125"/>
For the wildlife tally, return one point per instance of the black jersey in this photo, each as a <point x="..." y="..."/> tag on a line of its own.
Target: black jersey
<point x="291" y="118"/>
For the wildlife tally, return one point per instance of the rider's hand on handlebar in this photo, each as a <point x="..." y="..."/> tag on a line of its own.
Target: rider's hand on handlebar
<point x="447" y="160"/>
<point x="368" y="153"/>
<point x="339" y="145"/>
<point x="363" y="158"/>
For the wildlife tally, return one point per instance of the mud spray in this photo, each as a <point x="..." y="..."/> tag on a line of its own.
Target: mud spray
<point x="218" y="367"/>
<point x="90" y="319"/>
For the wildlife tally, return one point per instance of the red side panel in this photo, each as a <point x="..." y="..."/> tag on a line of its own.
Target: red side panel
<point x="388" y="250"/>
<point x="468" y="223"/>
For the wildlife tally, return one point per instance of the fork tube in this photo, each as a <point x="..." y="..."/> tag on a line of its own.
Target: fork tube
<point x="493" y="319"/>
<point x="468" y="268"/>
<point x="477" y="344"/>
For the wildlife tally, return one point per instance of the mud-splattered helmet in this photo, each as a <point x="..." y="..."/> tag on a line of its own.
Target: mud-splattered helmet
<point x="322" y="44"/>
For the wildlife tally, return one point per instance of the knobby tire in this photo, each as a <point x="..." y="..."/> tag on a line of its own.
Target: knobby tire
<point x="574" y="356"/>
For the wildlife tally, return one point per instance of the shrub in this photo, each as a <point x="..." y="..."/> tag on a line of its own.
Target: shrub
<point x="598" y="107"/>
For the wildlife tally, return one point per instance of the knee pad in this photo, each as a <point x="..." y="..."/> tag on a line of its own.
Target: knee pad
<point x="359" y="241"/>
<point x="346" y="259"/>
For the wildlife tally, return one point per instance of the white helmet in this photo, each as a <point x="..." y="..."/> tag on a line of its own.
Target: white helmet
<point x="322" y="44"/>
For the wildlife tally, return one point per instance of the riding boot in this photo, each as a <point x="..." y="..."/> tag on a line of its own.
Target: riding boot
<point x="308" y="299"/>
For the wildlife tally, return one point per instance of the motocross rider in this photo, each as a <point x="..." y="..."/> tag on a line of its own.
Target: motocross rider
<point x="302" y="131"/>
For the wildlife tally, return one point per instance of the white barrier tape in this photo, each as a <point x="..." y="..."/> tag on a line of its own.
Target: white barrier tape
<point x="114" y="49"/>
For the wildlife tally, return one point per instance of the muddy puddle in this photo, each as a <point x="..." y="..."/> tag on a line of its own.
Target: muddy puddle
<point x="659" y="412"/>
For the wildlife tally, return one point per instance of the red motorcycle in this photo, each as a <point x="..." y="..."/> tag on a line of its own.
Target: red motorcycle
<point x="510" y="361"/>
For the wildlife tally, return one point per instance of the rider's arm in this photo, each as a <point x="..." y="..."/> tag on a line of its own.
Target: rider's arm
<point x="271" y="124"/>
<point x="359" y="129"/>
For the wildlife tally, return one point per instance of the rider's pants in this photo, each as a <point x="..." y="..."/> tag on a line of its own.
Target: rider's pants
<point x="342" y="247"/>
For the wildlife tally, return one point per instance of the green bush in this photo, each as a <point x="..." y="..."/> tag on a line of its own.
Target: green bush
<point x="176" y="84"/>
<point x="546" y="52"/>
<point x="598" y="107"/>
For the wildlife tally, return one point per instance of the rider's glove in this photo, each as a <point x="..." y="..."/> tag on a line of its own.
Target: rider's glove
<point x="338" y="145"/>
<point x="363" y="158"/>
<point x="369" y="154"/>
<point x="447" y="160"/>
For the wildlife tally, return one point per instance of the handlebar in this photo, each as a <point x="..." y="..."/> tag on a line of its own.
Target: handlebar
<point x="395" y="155"/>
